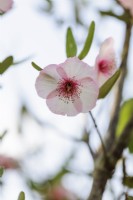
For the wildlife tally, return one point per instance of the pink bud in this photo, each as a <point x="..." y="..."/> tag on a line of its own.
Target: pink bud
<point x="8" y="162"/>
<point x="105" y="64"/>
<point x="5" y="5"/>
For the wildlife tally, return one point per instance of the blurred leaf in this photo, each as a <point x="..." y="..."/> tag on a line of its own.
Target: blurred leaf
<point x="129" y="197"/>
<point x="6" y="64"/>
<point x="126" y="113"/>
<point x="1" y="171"/>
<point x="130" y="145"/>
<point x="128" y="181"/>
<point x="71" y="47"/>
<point x="36" y="66"/>
<point x="21" y="196"/>
<point x="107" y="86"/>
<point x="88" y="41"/>
<point x="3" y="134"/>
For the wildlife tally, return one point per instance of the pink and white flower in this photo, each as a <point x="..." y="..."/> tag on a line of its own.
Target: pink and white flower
<point x="5" y="5"/>
<point x="105" y="64"/>
<point x="69" y="88"/>
<point x="128" y="4"/>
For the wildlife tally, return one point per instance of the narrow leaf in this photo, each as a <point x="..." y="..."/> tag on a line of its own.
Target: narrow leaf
<point x="1" y="171"/>
<point x="88" y="41"/>
<point x="107" y="86"/>
<point x="126" y="113"/>
<point x="21" y="196"/>
<point x="71" y="47"/>
<point x="36" y="66"/>
<point x="6" y="64"/>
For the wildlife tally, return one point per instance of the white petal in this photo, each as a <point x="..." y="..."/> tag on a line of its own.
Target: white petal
<point x="59" y="106"/>
<point x="47" y="80"/>
<point x="74" y="67"/>
<point x="107" y="49"/>
<point x="89" y="94"/>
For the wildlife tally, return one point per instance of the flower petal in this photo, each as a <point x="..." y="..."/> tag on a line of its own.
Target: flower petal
<point x="59" y="106"/>
<point x="89" y="94"/>
<point x="74" y="67"/>
<point x="47" y="80"/>
<point x="5" y="5"/>
<point x="105" y="64"/>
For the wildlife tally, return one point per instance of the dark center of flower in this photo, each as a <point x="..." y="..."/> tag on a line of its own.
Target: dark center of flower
<point x="68" y="90"/>
<point x="69" y="87"/>
<point x="103" y="66"/>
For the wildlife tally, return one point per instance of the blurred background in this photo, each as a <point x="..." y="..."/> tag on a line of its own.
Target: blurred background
<point x="47" y="155"/>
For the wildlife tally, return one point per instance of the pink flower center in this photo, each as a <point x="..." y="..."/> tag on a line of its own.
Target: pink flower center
<point x="68" y="90"/>
<point x="105" y="66"/>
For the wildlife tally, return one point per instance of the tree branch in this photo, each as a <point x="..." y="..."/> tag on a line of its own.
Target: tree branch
<point x="104" y="168"/>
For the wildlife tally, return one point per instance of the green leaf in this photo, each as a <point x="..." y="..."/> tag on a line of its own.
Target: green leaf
<point x="6" y="64"/>
<point x="1" y="171"/>
<point x="88" y="41"/>
<point x="36" y="66"/>
<point x="128" y="181"/>
<point x="107" y="86"/>
<point x="130" y="145"/>
<point x="129" y="197"/>
<point x="71" y="47"/>
<point x="21" y="196"/>
<point x="126" y="113"/>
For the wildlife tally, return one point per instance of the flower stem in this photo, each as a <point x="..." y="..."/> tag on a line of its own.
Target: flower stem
<point x="98" y="132"/>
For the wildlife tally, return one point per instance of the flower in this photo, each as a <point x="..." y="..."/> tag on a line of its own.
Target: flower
<point x="5" y="5"/>
<point x="105" y="64"/>
<point x="69" y="88"/>
<point x="8" y="162"/>
<point x="127" y="4"/>
<point x="60" y="193"/>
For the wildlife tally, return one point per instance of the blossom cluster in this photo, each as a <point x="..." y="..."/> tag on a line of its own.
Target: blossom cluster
<point x="72" y="87"/>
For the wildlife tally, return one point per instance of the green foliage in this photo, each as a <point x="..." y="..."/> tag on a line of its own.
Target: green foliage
<point x="88" y="41"/>
<point x="129" y="197"/>
<point x="128" y="181"/>
<point x="71" y="47"/>
<point x="36" y="66"/>
<point x="21" y="196"/>
<point x="130" y="145"/>
<point x="126" y="112"/>
<point x="1" y="171"/>
<point x="6" y="64"/>
<point x="107" y="86"/>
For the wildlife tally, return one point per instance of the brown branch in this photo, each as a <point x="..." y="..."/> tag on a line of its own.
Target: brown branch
<point x="104" y="168"/>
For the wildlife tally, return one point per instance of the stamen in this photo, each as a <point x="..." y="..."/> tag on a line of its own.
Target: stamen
<point x="68" y="90"/>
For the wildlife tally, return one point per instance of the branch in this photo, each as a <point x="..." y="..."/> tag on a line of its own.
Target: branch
<point x="98" y="132"/>
<point x="104" y="168"/>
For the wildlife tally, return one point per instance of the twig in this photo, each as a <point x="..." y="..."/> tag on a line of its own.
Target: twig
<point x="98" y="132"/>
